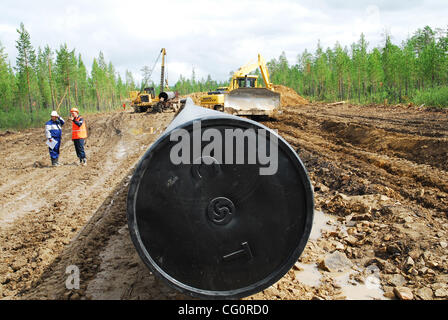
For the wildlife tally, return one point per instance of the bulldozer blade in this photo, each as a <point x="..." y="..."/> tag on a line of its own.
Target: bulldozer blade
<point x="251" y="101"/>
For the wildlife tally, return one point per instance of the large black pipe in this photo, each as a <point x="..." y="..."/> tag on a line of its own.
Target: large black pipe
<point x="215" y="228"/>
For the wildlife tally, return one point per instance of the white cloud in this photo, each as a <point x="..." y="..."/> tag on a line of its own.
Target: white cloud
<point x="214" y="37"/>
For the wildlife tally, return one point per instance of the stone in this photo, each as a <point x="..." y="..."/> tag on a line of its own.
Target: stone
<point x="351" y="240"/>
<point x="397" y="280"/>
<point x="423" y="271"/>
<point x="413" y="271"/>
<point x="4" y="268"/>
<point x="441" y="293"/>
<point x="335" y="262"/>
<point x="439" y="285"/>
<point x="443" y="244"/>
<point x="403" y="293"/>
<point x="408" y="220"/>
<point x="362" y="217"/>
<point x="443" y="278"/>
<point x="323" y="188"/>
<point x="380" y="263"/>
<point x="75" y="296"/>
<point x="414" y="254"/>
<point x="389" y="268"/>
<point x="350" y="224"/>
<point x="19" y="263"/>
<point x="424" y="293"/>
<point x="339" y="246"/>
<point x="389" y="294"/>
<point x="409" y="263"/>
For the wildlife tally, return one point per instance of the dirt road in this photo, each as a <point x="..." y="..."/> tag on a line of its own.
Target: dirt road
<point x="380" y="231"/>
<point x="45" y="210"/>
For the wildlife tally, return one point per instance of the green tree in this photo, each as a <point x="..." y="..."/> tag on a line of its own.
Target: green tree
<point x="7" y="82"/>
<point x="44" y="77"/>
<point x="82" y="83"/>
<point x="65" y="74"/>
<point x="25" y="67"/>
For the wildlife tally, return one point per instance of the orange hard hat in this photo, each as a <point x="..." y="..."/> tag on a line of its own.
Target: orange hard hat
<point x="74" y="110"/>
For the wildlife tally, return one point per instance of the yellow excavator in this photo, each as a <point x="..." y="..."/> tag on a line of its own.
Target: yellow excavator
<point x="145" y="99"/>
<point x="243" y="96"/>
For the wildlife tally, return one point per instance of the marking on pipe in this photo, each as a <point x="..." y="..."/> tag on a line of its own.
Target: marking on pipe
<point x="220" y="210"/>
<point x="245" y="251"/>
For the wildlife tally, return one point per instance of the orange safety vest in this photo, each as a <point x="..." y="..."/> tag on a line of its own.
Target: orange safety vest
<point x="79" y="132"/>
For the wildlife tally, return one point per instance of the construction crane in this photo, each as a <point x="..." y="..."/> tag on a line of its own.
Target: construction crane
<point x="243" y="96"/>
<point x="142" y="100"/>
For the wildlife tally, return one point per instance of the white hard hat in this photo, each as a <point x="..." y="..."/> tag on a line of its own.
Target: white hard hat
<point x="54" y="114"/>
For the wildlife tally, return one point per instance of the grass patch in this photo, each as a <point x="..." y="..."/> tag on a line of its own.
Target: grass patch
<point x="432" y="97"/>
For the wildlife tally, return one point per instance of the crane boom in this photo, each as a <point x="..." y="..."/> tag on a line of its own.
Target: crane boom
<point x="264" y="72"/>
<point x="162" y="73"/>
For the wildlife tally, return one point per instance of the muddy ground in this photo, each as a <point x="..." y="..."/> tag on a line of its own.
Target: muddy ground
<point x="380" y="230"/>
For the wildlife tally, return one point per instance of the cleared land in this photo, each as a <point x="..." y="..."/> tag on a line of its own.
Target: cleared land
<point x="381" y="189"/>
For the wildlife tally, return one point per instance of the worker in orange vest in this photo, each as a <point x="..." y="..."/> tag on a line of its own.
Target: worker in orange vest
<point x="79" y="133"/>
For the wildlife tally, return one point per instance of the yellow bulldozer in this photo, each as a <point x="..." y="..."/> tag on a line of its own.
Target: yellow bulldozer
<point x="244" y="96"/>
<point x="141" y="101"/>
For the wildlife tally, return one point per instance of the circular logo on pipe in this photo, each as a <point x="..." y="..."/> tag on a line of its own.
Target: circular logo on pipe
<point x="220" y="210"/>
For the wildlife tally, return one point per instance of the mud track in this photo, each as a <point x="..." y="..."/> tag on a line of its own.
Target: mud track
<point x="48" y="212"/>
<point x="381" y="188"/>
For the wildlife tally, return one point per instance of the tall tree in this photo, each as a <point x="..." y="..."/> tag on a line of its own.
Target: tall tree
<point x="44" y="77"/>
<point x="65" y="68"/>
<point x="25" y="66"/>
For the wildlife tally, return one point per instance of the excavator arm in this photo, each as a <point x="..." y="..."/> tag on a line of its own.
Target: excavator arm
<point x="264" y="72"/>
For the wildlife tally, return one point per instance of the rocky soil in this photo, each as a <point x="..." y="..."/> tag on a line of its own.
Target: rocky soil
<point x="380" y="229"/>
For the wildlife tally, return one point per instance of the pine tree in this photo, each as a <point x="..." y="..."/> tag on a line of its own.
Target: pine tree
<point x="83" y="85"/>
<point x="130" y="83"/>
<point x="65" y="74"/>
<point x="43" y="76"/>
<point x="25" y="67"/>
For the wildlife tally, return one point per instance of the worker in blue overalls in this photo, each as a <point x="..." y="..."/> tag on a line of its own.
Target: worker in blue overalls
<point x="53" y="131"/>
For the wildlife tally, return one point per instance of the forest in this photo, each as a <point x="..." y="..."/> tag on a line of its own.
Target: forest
<point x="49" y="79"/>
<point x="416" y="71"/>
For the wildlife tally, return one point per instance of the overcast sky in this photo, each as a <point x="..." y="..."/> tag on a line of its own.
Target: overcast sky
<point x="214" y="37"/>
